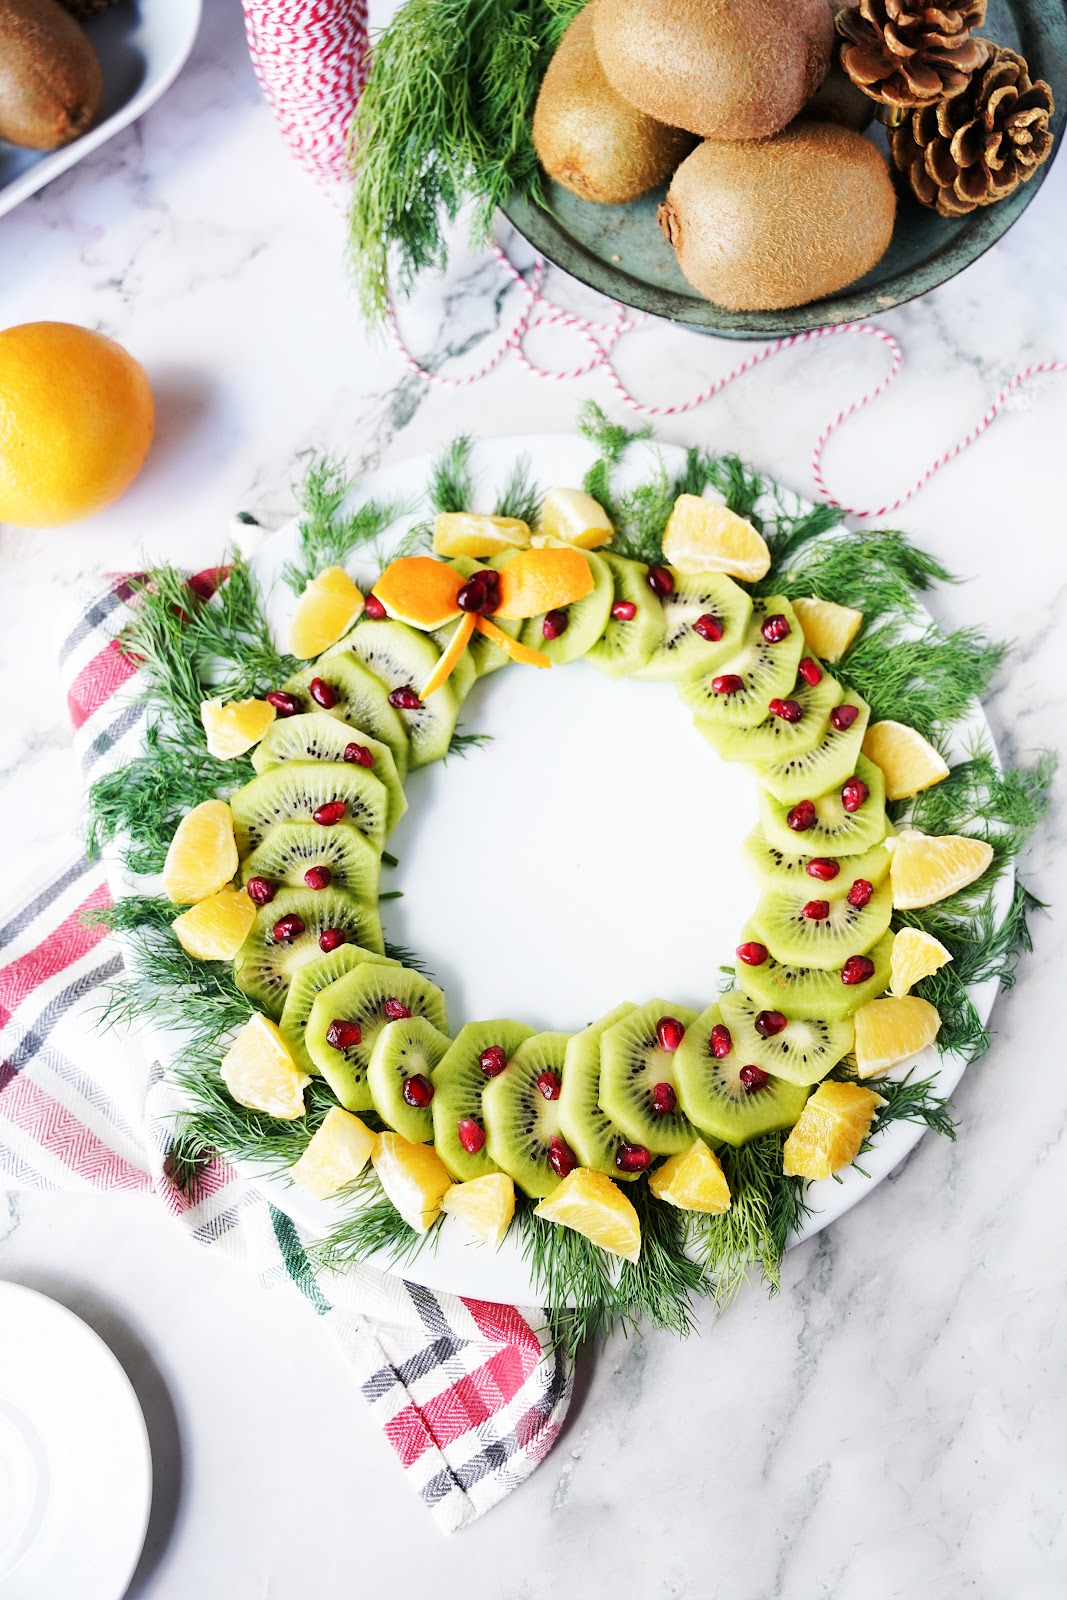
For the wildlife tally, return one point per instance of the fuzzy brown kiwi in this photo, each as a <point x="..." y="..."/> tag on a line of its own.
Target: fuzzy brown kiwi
<point x="721" y="68"/>
<point x="780" y="222"/>
<point x="588" y="138"/>
<point x="50" y="79"/>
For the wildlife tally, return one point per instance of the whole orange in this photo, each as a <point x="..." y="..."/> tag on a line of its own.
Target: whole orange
<point x="76" y="421"/>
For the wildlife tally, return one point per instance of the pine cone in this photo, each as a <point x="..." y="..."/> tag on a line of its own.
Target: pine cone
<point x="909" y="53"/>
<point x="82" y="9"/>
<point x="974" y="149"/>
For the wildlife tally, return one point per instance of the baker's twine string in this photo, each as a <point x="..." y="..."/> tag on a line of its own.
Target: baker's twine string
<point x="601" y="339"/>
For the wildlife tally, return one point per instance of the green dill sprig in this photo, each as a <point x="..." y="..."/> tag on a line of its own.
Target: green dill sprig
<point x="327" y="537"/>
<point x="409" y="958"/>
<point x="907" y="1099"/>
<point x="929" y="682"/>
<point x="451" y="486"/>
<point x="371" y="1226"/>
<point x="659" y="1288"/>
<point x="574" y="1278"/>
<point x="461" y="744"/>
<point x="1003" y="807"/>
<point x="520" y="497"/>
<point x="766" y="1208"/>
<point x="876" y="571"/>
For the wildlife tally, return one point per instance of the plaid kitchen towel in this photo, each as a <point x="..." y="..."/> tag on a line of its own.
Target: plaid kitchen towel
<point x="470" y="1395"/>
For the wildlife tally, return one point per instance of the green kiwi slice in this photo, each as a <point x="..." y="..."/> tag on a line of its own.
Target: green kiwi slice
<point x="362" y="702"/>
<point x="789" y="874"/>
<point x="264" y="966"/>
<point x="293" y="848"/>
<point x="767" y="670"/>
<point x="294" y="791"/>
<point x="586" y="618"/>
<point x="804" y="941"/>
<point x="365" y="996"/>
<point x="682" y="652"/>
<point x="714" y="1095"/>
<point x="592" y="1136"/>
<point x="828" y="763"/>
<point x="628" y="643"/>
<point x="775" y="739"/>
<point x="403" y="658"/>
<point x="632" y="1063"/>
<point x="835" y="831"/>
<point x="521" y="1124"/>
<point x="458" y="1085"/>
<point x="812" y="993"/>
<point x="310" y="981"/>
<point x="410" y="1047"/>
<point x="802" y="1053"/>
<point x="322" y="736"/>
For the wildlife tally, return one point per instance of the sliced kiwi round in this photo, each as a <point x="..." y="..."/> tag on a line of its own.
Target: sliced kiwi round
<point x="774" y="869"/>
<point x="628" y="642"/>
<point x="802" y="1053"/>
<point x="812" y="992"/>
<point x="586" y="619"/>
<point x="403" y="658"/>
<point x="369" y="996"/>
<point x="714" y="1095"/>
<point x="294" y="791"/>
<point x="828" y="763"/>
<point x="592" y="1136"/>
<point x="632" y="1063"/>
<point x="458" y="1085"/>
<point x="778" y="739"/>
<point x="291" y="849"/>
<point x="521" y="1123"/>
<point x="806" y="941"/>
<point x="312" y="978"/>
<point x="834" y="831"/>
<point x="323" y="736"/>
<point x="766" y="670"/>
<point x="411" y="1047"/>
<point x="682" y="652"/>
<point x="362" y="701"/>
<point x="265" y="966"/>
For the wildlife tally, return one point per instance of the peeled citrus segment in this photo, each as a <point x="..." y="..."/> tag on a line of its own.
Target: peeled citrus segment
<point x="468" y="533"/>
<point x="336" y="1155"/>
<point x="891" y="1031"/>
<point x="576" y="518"/>
<point x="830" y="1130"/>
<point x="414" y="1177"/>
<point x="693" y="1181"/>
<point x="828" y="628"/>
<point x="544" y="580"/>
<point x="324" y="613"/>
<point x="261" y="1074"/>
<point x="449" y="661"/>
<point x="420" y="591"/>
<point x="915" y="956"/>
<point x="516" y="650"/>
<point x="484" y="1205"/>
<point x="927" y="868"/>
<point x="702" y="536"/>
<point x="216" y="928"/>
<point x="235" y="727"/>
<point x="202" y="855"/>
<point x="907" y="761"/>
<point x="592" y="1205"/>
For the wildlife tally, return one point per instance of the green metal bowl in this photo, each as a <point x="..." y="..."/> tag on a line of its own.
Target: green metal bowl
<point x="621" y="251"/>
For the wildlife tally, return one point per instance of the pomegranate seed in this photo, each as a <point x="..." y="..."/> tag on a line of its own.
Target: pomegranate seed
<point x="633" y="1158"/>
<point x="471" y="1135"/>
<point x="287" y="929"/>
<point x="775" y="629"/>
<point x="332" y="939"/>
<point x="342" y="1035"/>
<point x="810" y="671"/>
<point x="709" y="627"/>
<point x="550" y="1084"/>
<point x="860" y="893"/>
<point x="823" y="868"/>
<point x="853" y="794"/>
<point x="721" y="1042"/>
<point x="727" y="683"/>
<point x="395" y="1010"/>
<point x="624" y="611"/>
<point x="670" y="1033"/>
<point x="857" y="969"/>
<point x="768" y="1024"/>
<point x="816" y="910"/>
<point x="358" y="755"/>
<point x="324" y="694"/>
<point x="561" y="1157"/>
<point x="788" y="710"/>
<point x="260" y="891"/>
<point x="752" y="1078"/>
<point x="664" y="1099"/>
<point x="475" y="596"/>
<point x="318" y="877"/>
<point x="405" y="699"/>
<point x="286" y="705"/>
<point x="802" y="816"/>
<point x="660" y="581"/>
<point x="329" y="814"/>
<point x="753" y="954"/>
<point x="842" y="717"/>
<point x="374" y="609"/>
<point x="493" y="1060"/>
<point x="417" y="1090"/>
<point x="555" y="624"/>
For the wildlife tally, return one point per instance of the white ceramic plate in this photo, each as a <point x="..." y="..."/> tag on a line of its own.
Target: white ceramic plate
<point x="589" y="855"/>
<point x="142" y="45"/>
<point x="75" y="1465"/>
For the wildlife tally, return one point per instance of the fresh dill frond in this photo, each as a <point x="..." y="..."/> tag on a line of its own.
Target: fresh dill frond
<point x="1004" y="807"/>
<point x="326" y="537"/>
<point x="907" y="1099"/>
<point x="610" y="439"/>
<point x="461" y="744"/>
<point x="520" y="497"/>
<point x="765" y="1208"/>
<point x="739" y="486"/>
<point x="929" y="682"/>
<point x="451" y="486"/>
<point x="573" y="1277"/>
<point x="212" y="1123"/>
<point x="372" y="1225"/>
<point x="659" y="1287"/>
<point x="408" y="958"/>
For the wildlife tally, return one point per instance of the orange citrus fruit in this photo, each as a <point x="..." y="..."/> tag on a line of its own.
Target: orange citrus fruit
<point x="216" y="928"/>
<point x="469" y="533"/>
<point x="592" y="1205"/>
<point x="693" y="1181"/>
<point x="414" y="1178"/>
<point x="576" y="518"/>
<point x="916" y="955"/>
<point x="927" y="868"/>
<point x="893" y="1030"/>
<point x="203" y="854"/>
<point x="336" y="1156"/>
<point x="235" y="727"/>
<point x="484" y="1205"/>
<point x="261" y="1074"/>
<point x="702" y="536"/>
<point x="324" y="613"/>
<point x="828" y="628"/>
<point x="908" y="762"/>
<point x="76" y="420"/>
<point x="830" y="1130"/>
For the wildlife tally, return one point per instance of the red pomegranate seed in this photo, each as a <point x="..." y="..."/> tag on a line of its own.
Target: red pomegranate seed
<point x="853" y="794"/>
<point x="752" y="1078"/>
<point x="405" y="699"/>
<point x="823" y="868"/>
<point x="860" y="893"/>
<point x="816" y="910"/>
<point x="661" y="581"/>
<point x="286" y="705"/>
<point x="374" y="609"/>
<point x="842" y="717"/>
<point x="318" y="877"/>
<point x="624" y="611"/>
<point x="358" y="755"/>
<point x="670" y="1033"/>
<point x="395" y="1010"/>
<point x="561" y="1158"/>
<point x="324" y="694"/>
<point x="260" y="891"/>
<point x="753" y="954"/>
<point x="802" y="817"/>
<point x="768" y="1024"/>
<point x="810" y="671"/>
<point x="550" y="1084"/>
<point x="721" y="1042"/>
<point x="857" y="969"/>
<point x="788" y="710"/>
<point x="709" y="627"/>
<point x="727" y="683"/>
<point x="329" y="814"/>
<point x="471" y="1135"/>
<point x="287" y="929"/>
<point x="555" y="624"/>
<point x="633" y="1158"/>
<point x="476" y="596"/>
<point x="493" y="1060"/>
<point x="417" y="1090"/>
<point x="775" y="629"/>
<point x="664" y="1099"/>
<point x="343" y="1035"/>
<point x="332" y="939"/>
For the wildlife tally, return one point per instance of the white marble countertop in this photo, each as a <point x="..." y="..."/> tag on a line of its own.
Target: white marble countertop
<point x="894" y="1423"/>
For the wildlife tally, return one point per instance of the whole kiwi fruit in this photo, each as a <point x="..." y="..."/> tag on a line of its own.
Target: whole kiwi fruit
<point x="777" y="222"/>
<point x="588" y="138"/>
<point x="726" y="69"/>
<point x="50" y="79"/>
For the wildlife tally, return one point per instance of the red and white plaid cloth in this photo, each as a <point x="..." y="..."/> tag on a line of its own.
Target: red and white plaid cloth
<point x="470" y="1395"/>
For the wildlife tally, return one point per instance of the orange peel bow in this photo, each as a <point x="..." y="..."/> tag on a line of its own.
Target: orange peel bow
<point x="447" y="664"/>
<point x="543" y="579"/>
<point x="420" y="591"/>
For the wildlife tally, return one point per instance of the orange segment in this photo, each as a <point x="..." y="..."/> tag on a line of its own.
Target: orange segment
<point x="828" y="628"/>
<point x="414" y="1178"/>
<point x="693" y="1181"/>
<point x="592" y="1205"/>
<point x="521" y="653"/>
<point x="467" y="533"/>
<point x="216" y="928"/>
<point x="261" y="1074"/>
<point x="202" y="855"/>
<point x="336" y="1155"/>
<point x="891" y="1031"/>
<point x="234" y="728"/>
<point x="484" y="1205"/>
<point x="907" y="761"/>
<point x="447" y="664"/>
<point x="420" y="591"/>
<point x="324" y="613"/>
<point x="542" y="580"/>
<point x="576" y="518"/>
<point x="915" y="956"/>
<point x="927" y="868"/>
<point x="830" y="1131"/>
<point x="701" y="536"/>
